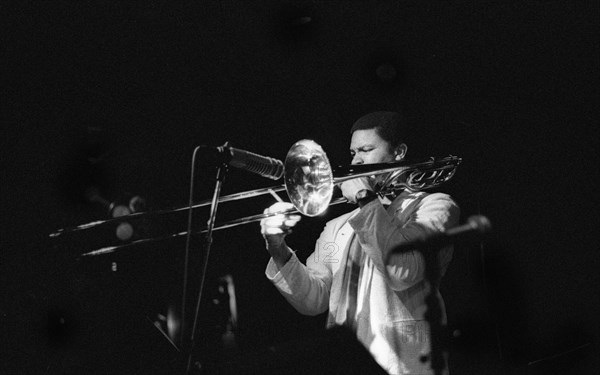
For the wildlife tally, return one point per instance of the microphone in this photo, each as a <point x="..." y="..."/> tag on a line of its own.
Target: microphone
<point x="475" y="226"/>
<point x="261" y="165"/>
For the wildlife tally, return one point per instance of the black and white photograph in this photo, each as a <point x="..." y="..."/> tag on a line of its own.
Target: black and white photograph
<point x="300" y="187"/>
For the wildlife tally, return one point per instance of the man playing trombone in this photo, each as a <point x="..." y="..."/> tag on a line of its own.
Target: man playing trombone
<point x="383" y="304"/>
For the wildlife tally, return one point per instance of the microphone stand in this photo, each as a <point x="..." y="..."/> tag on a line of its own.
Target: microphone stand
<point x="429" y="248"/>
<point x="221" y="173"/>
<point x="433" y="314"/>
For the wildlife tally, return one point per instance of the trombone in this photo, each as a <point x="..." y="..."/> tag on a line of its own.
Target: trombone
<point x="309" y="180"/>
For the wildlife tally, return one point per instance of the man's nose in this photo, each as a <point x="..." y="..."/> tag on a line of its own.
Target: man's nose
<point x="356" y="159"/>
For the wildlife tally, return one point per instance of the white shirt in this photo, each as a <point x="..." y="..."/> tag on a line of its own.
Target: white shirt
<point x="390" y="304"/>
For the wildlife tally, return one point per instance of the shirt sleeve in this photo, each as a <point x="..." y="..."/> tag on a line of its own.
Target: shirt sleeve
<point x="379" y="233"/>
<point x="305" y="287"/>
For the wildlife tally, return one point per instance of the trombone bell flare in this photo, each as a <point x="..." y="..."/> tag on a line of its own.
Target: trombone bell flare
<point x="308" y="178"/>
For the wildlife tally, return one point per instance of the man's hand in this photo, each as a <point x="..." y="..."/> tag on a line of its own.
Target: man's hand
<point x="274" y="230"/>
<point x="351" y="187"/>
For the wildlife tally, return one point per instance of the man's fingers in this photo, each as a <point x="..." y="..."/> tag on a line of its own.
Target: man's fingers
<point x="279" y="207"/>
<point x="280" y="223"/>
<point x="274" y="221"/>
<point x="289" y="223"/>
<point x="283" y="224"/>
<point x="280" y="220"/>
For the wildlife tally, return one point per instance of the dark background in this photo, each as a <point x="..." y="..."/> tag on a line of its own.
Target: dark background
<point x="116" y="96"/>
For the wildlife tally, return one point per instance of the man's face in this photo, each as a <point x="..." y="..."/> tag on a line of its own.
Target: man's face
<point x="367" y="147"/>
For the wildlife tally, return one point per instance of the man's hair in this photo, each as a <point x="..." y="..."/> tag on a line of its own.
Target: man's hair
<point x="390" y="126"/>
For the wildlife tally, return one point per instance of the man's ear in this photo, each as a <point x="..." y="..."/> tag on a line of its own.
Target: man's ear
<point x="400" y="152"/>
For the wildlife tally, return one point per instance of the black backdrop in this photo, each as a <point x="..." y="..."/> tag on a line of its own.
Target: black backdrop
<point x="117" y="96"/>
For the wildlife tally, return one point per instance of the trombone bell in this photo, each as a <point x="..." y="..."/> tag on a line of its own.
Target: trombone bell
<point x="308" y="177"/>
